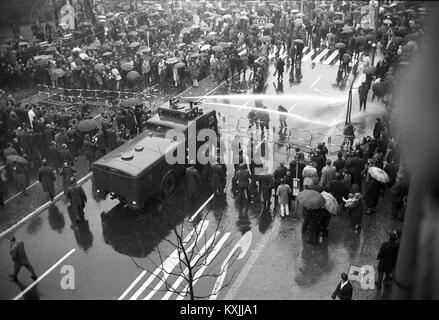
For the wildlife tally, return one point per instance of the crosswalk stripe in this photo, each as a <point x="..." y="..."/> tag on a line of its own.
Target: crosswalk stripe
<point x="170" y="263"/>
<point x="320" y="56"/>
<point x="331" y="57"/>
<point x="308" y="55"/>
<point x="209" y="259"/>
<point x="186" y="271"/>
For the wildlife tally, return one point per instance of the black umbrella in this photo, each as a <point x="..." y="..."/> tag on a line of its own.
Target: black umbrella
<point x="87" y="125"/>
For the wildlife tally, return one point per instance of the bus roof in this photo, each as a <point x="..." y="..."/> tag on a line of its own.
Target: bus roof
<point x="134" y="156"/>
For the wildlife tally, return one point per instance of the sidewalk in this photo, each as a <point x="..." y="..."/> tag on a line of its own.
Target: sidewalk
<point x="285" y="267"/>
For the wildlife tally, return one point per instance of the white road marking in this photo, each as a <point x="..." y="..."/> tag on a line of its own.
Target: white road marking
<point x="201" y="208"/>
<point x="44" y="274"/>
<point x="331" y="57"/>
<point x="19" y="193"/>
<point x="291" y="109"/>
<point x="209" y="259"/>
<point x="40" y="208"/>
<point x="320" y="56"/>
<point x="315" y="82"/>
<point x="132" y="285"/>
<point x="322" y="92"/>
<point x="308" y="56"/>
<point x="168" y="265"/>
<point x="243" y="243"/>
<point x="186" y="271"/>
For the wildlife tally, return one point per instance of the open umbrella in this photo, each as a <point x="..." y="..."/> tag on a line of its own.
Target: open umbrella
<point x="347" y="29"/>
<point x="387" y="21"/>
<point x="134" y="44"/>
<point x="58" y="72"/>
<point x="106" y="47"/>
<point x="311" y="199"/>
<point x="300" y="41"/>
<point x="15" y="159"/>
<point x="106" y="54"/>
<point x="331" y="203"/>
<point x="298" y="22"/>
<point x="159" y="54"/>
<point x="43" y="57"/>
<point x="50" y="49"/>
<point x="83" y="56"/>
<point x="119" y="43"/>
<point x="378" y="174"/>
<point x="194" y="55"/>
<point x="133" y="34"/>
<point x="144" y="50"/>
<point x="172" y="60"/>
<point x="369" y="70"/>
<point x="76" y="49"/>
<point x="225" y="44"/>
<point x="99" y="67"/>
<point x="300" y="15"/>
<point x="126" y="66"/>
<point x="338" y="22"/>
<point x="165" y="33"/>
<point x="294" y="11"/>
<point x="179" y="65"/>
<point x="205" y="47"/>
<point x="316" y="11"/>
<point x="369" y="37"/>
<point x="122" y="34"/>
<point x="162" y="22"/>
<point x="133" y="75"/>
<point x="217" y="49"/>
<point x="87" y="125"/>
<point x="340" y="45"/>
<point x="269" y="25"/>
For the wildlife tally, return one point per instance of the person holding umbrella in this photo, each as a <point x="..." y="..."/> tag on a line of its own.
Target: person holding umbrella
<point x="372" y="187"/>
<point x="46" y="177"/>
<point x="19" y="166"/>
<point x="77" y="197"/>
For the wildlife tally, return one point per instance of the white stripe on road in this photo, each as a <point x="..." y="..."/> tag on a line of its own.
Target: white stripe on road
<point x="320" y="56"/>
<point x="322" y="92"/>
<point x="315" y="82"/>
<point x="132" y="285"/>
<point x="308" y="56"/>
<point x="209" y="259"/>
<point x="21" y="192"/>
<point x="201" y="208"/>
<point x="291" y="109"/>
<point x="331" y="57"/>
<point x="168" y="265"/>
<point x="41" y="208"/>
<point x="197" y="257"/>
<point x="44" y="274"/>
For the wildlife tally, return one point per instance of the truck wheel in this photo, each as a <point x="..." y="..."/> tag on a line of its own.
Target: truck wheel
<point x="168" y="184"/>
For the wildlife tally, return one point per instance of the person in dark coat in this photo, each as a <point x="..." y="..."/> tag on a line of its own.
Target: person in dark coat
<point x="340" y="162"/>
<point x="314" y="219"/>
<point x="362" y="93"/>
<point x="66" y="172"/>
<point x="78" y="199"/>
<point x="47" y="178"/>
<point x="66" y="155"/>
<point x="371" y="194"/>
<point x="242" y="177"/>
<point x="378" y="128"/>
<point x="218" y="179"/>
<point x="266" y="184"/>
<point x="338" y="188"/>
<point x="387" y="257"/>
<point x="355" y="166"/>
<point x="53" y="158"/>
<point x="112" y="138"/>
<point x="193" y="180"/>
<point x="20" y="259"/>
<point x="344" y="289"/>
<point x="356" y="213"/>
<point x="90" y="150"/>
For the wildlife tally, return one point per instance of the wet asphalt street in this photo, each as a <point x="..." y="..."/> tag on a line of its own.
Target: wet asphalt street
<point x="115" y="250"/>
